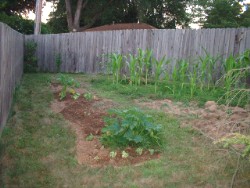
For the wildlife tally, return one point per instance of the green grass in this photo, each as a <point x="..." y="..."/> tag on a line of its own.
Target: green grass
<point x="164" y="90"/>
<point x="37" y="147"/>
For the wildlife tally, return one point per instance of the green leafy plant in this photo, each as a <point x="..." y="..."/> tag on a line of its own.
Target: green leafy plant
<point x="148" y="63"/>
<point x="130" y="128"/>
<point x="68" y="85"/>
<point x="132" y="69"/>
<point x="30" y="60"/>
<point x="115" y="66"/>
<point x="88" y="96"/>
<point x="90" y="137"/>
<point x="112" y="154"/>
<point x="234" y="80"/>
<point x="182" y="72"/>
<point x="193" y="77"/>
<point x="139" y="151"/>
<point x="159" y="70"/>
<point x="234" y="139"/>
<point x="76" y="95"/>
<point x="207" y="67"/>
<point x="58" y="62"/>
<point x="125" y="154"/>
<point x="151" y="151"/>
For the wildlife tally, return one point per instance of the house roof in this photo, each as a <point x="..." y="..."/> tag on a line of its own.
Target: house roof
<point x="121" y="26"/>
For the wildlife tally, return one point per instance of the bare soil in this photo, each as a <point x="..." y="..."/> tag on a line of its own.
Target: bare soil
<point x="86" y="117"/>
<point x="214" y="121"/>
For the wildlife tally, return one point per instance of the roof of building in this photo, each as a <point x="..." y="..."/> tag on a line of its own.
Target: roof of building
<point x="121" y="26"/>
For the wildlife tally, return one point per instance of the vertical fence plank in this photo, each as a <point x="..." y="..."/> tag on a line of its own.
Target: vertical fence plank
<point x="11" y="68"/>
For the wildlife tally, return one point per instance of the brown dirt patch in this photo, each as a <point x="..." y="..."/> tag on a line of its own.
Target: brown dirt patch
<point x="86" y="117"/>
<point x="215" y="121"/>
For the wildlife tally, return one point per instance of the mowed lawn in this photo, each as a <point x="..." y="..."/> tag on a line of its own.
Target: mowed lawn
<point x="37" y="148"/>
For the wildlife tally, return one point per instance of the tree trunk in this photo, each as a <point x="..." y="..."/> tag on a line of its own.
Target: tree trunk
<point x="74" y="23"/>
<point x="69" y="15"/>
<point x="78" y="14"/>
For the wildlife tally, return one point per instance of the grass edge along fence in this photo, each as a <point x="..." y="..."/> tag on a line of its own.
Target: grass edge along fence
<point x="11" y="68"/>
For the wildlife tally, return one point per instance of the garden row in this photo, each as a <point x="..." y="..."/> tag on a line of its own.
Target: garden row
<point x="144" y="69"/>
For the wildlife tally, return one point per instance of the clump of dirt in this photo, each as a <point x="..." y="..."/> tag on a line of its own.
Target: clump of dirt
<point x="215" y="121"/>
<point x="86" y="117"/>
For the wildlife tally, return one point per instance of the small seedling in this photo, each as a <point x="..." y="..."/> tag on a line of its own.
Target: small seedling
<point x="112" y="154"/>
<point x="151" y="151"/>
<point x="88" y="96"/>
<point x="90" y="137"/>
<point x="139" y="151"/>
<point x="96" y="158"/>
<point x="125" y="154"/>
<point x="75" y="96"/>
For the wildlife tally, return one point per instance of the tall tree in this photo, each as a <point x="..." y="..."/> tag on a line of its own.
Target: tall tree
<point x="218" y="13"/>
<point x="223" y="13"/>
<point x="82" y="14"/>
<point x="11" y="7"/>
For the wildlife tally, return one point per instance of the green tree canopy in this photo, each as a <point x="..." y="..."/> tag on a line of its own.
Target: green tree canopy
<point x="223" y="13"/>
<point x="11" y="7"/>
<point x="82" y="14"/>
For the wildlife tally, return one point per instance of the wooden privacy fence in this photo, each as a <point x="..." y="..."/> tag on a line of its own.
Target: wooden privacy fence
<point x="11" y="68"/>
<point x="82" y="52"/>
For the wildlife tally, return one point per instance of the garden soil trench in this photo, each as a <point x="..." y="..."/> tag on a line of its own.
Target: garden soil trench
<point x="85" y="118"/>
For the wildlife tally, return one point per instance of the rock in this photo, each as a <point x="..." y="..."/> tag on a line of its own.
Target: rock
<point x="211" y="106"/>
<point x="209" y="103"/>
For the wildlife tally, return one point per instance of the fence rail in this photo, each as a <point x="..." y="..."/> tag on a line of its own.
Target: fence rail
<point x="81" y="52"/>
<point x="11" y="68"/>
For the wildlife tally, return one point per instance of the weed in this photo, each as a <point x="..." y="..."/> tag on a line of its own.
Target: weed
<point x="58" y="62"/>
<point x="30" y="60"/>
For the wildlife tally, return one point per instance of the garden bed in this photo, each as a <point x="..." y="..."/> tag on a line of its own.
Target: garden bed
<point x="86" y="118"/>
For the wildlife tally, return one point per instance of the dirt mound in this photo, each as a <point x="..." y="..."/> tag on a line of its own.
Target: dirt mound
<point x="215" y="121"/>
<point x="86" y="117"/>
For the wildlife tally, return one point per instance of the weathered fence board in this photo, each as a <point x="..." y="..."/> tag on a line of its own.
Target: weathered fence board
<point x="82" y="52"/>
<point x="11" y="68"/>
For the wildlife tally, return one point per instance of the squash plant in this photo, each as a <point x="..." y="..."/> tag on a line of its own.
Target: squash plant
<point x="130" y="128"/>
<point x="68" y="85"/>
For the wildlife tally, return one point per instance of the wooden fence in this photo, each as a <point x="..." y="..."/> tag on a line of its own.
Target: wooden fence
<point x="11" y="68"/>
<point x="82" y="52"/>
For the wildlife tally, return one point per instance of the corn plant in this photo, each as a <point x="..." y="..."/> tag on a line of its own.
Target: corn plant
<point x="234" y="80"/>
<point x="182" y="72"/>
<point x="236" y="92"/>
<point x="159" y="70"/>
<point x="132" y="69"/>
<point x="115" y="66"/>
<point x="207" y="64"/>
<point x="148" y="64"/>
<point x="230" y="76"/>
<point x="193" y="77"/>
<point x="140" y="64"/>
<point x="175" y="78"/>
